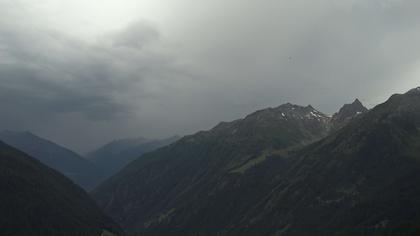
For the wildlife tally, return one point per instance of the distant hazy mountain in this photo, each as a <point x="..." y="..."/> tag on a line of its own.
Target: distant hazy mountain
<point x="37" y="200"/>
<point x="69" y="163"/>
<point x="288" y="171"/>
<point x="115" y="155"/>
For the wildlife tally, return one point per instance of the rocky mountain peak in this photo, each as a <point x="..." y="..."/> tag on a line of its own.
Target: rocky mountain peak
<point x="346" y="113"/>
<point x="414" y="90"/>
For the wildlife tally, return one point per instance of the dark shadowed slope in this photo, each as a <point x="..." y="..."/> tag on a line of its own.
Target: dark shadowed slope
<point x="191" y="187"/>
<point x="362" y="180"/>
<point x="113" y="156"/>
<point x="36" y="200"/>
<point x="78" y="169"/>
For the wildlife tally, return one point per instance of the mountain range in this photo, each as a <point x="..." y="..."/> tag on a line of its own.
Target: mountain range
<point x="88" y="171"/>
<point x="211" y="182"/>
<point x="288" y="171"/>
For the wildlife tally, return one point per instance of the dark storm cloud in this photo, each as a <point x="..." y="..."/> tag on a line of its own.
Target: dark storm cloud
<point x="212" y="60"/>
<point x="53" y="83"/>
<point x="51" y="72"/>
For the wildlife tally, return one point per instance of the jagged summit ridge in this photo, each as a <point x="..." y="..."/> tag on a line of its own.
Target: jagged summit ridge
<point x="299" y="116"/>
<point x="291" y="111"/>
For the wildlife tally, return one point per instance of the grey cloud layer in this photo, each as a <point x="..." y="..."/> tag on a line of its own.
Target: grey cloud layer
<point x="46" y="75"/>
<point x="224" y="60"/>
<point x="52" y="72"/>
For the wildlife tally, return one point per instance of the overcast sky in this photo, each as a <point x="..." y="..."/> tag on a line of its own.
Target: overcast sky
<point x="82" y="73"/>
